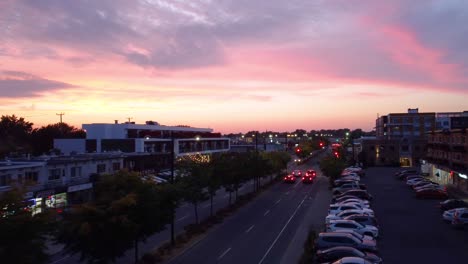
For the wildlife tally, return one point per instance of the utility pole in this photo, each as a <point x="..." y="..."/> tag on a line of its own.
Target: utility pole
<point x="61" y="114"/>
<point x="129" y="119"/>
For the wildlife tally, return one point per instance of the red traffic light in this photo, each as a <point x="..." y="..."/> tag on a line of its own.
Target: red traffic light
<point x="298" y="150"/>
<point x="321" y="144"/>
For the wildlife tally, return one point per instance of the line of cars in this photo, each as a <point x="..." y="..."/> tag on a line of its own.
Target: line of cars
<point x="454" y="211"/>
<point x="422" y="186"/>
<point x="307" y="177"/>
<point x="352" y="229"/>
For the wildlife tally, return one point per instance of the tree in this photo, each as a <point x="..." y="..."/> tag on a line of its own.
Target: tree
<point x="193" y="185"/>
<point x="22" y="235"/>
<point x="14" y="135"/>
<point x="42" y="139"/>
<point x="332" y="167"/>
<point x="126" y="210"/>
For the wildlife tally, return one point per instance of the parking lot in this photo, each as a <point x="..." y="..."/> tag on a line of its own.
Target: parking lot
<point x="412" y="230"/>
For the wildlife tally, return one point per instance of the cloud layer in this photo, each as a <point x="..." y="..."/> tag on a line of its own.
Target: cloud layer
<point x="254" y="51"/>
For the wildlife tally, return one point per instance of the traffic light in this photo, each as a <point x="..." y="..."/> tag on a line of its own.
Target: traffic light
<point x="298" y="150"/>
<point x="321" y="144"/>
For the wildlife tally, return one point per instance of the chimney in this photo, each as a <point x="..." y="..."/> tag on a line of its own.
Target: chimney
<point x="116" y="121"/>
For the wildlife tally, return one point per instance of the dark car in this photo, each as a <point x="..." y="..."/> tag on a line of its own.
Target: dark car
<point x="336" y="253"/>
<point x="452" y="204"/>
<point x="340" y="182"/>
<point x="363" y="219"/>
<point x="311" y="173"/>
<point x="402" y="175"/>
<point x="307" y="179"/>
<point x="357" y="193"/>
<point x="431" y="193"/>
<point x="289" y="179"/>
<point x="330" y="239"/>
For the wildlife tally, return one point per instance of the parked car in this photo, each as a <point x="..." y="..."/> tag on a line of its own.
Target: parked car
<point x="336" y="208"/>
<point x="357" y="193"/>
<point x="451" y="204"/>
<point x="328" y="240"/>
<point x="350" y="177"/>
<point x="448" y="215"/>
<point x="460" y="219"/>
<point x="346" y="213"/>
<point x="340" y="182"/>
<point x="353" y="225"/>
<point x="352" y="260"/>
<point x="341" y="198"/>
<point x="353" y="199"/>
<point x="431" y="193"/>
<point x="356" y="234"/>
<point x="347" y="187"/>
<point x="297" y="173"/>
<point x="432" y="187"/>
<point x="359" y="204"/>
<point x="289" y="179"/>
<point x="401" y="174"/>
<point x="363" y="219"/>
<point x="414" y="181"/>
<point x="336" y="253"/>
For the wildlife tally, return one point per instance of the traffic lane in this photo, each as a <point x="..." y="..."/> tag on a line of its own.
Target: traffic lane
<point x="268" y="242"/>
<point x="302" y="222"/>
<point x="412" y="229"/>
<point x="217" y="242"/>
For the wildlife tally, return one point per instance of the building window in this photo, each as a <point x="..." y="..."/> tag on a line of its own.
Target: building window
<point x="101" y="168"/>
<point x="5" y="180"/>
<point x="404" y="148"/>
<point x="55" y="174"/>
<point x="31" y="176"/>
<point x="75" y="172"/>
<point x="116" y="166"/>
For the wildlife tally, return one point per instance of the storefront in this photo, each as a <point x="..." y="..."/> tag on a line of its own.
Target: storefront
<point x="80" y="193"/>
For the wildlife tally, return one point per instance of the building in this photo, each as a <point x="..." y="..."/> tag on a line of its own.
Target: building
<point x="57" y="181"/>
<point x="400" y="139"/>
<point x="444" y="120"/>
<point x="144" y="138"/>
<point x="447" y="157"/>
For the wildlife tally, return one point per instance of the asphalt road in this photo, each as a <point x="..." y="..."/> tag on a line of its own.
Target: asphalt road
<point x="412" y="230"/>
<point x="270" y="229"/>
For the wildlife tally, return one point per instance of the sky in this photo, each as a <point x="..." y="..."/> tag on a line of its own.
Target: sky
<point x="232" y="65"/>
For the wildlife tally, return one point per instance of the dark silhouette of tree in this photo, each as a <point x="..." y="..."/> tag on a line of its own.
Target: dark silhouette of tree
<point x="14" y="135"/>
<point x="42" y="139"/>
<point x="22" y="235"/>
<point x="126" y="210"/>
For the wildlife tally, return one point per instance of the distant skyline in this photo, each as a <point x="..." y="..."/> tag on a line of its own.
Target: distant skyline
<point x="232" y="65"/>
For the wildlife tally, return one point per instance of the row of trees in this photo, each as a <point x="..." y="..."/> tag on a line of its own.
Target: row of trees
<point x="17" y="136"/>
<point x="127" y="209"/>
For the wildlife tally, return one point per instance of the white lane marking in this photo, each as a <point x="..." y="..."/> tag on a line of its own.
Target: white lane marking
<point x="267" y="212"/>
<point x="224" y="253"/>
<point x="277" y="202"/>
<point x="287" y="193"/>
<point x="296" y="184"/>
<point x="182" y="218"/>
<point x="282" y="230"/>
<point x="57" y="261"/>
<point x="250" y="228"/>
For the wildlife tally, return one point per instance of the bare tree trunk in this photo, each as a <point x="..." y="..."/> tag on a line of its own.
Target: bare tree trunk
<point x="195" y="207"/>
<point x="211" y="206"/>
<point x="136" y="250"/>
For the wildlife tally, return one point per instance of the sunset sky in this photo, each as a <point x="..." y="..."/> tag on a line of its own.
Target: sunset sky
<point x="234" y="65"/>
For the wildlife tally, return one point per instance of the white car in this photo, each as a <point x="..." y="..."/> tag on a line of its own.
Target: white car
<point x="449" y="214"/>
<point x="346" y="213"/>
<point x="355" y="200"/>
<point x="360" y="205"/>
<point x="416" y="181"/>
<point x="367" y="230"/>
<point x="336" y="208"/>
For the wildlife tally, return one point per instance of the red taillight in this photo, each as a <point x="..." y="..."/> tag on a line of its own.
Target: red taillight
<point x="302" y="177"/>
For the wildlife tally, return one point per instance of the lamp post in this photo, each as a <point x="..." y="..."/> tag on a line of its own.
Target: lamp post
<point x="172" y="182"/>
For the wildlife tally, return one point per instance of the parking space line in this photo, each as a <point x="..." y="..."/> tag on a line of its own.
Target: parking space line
<point x="182" y="218"/>
<point x="224" y="253"/>
<point x="267" y="212"/>
<point x="250" y="228"/>
<point x="277" y="202"/>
